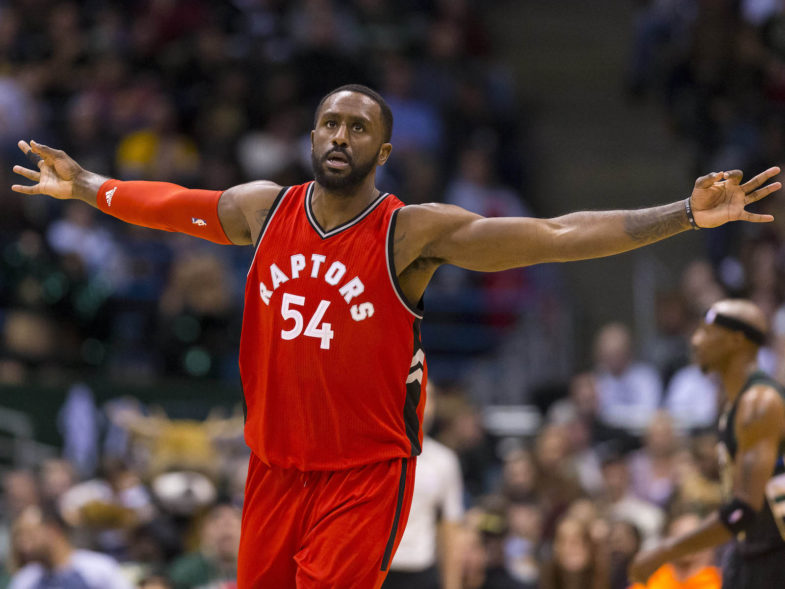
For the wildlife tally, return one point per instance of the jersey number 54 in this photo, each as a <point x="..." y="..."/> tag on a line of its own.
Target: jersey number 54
<point x="322" y="332"/>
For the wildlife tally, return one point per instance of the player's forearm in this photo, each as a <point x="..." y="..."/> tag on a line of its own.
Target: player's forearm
<point x="86" y="185"/>
<point x="595" y="234"/>
<point x="164" y="206"/>
<point x="709" y="534"/>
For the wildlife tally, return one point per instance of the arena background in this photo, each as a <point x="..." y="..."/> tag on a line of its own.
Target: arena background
<point x="505" y="107"/>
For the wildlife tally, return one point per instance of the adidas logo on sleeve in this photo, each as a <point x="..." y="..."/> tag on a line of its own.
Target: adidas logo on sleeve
<point x="108" y="196"/>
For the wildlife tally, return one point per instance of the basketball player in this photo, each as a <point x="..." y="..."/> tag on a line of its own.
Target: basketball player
<point x="752" y="450"/>
<point x="330" y="358"/>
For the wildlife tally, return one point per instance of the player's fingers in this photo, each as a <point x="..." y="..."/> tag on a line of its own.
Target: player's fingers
<point x="29" y="174"/>
<point x="762" y="192"/>
<point x="25" y="189"/>
<point x="756" y="181"/>
<point x="755" y="218"/>
<point x="34" y="158"/>
<point x="708" y="180"/>
<point x="734" y="176"/>
<point x="46" y="152"/>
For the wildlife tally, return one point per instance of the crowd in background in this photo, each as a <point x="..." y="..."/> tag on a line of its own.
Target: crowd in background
<point x="212" y="94"/>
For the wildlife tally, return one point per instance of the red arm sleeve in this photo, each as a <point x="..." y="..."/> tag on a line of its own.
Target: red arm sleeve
<point x="161" y="205"/>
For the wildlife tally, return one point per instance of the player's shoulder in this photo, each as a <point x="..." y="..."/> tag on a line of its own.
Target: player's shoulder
<point x="258" y="189"/>
<point x="762" y="403"/>
<point x="431" y="219"/>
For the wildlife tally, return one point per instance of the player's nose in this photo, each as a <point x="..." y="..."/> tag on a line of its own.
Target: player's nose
<point x="341" y="135"/>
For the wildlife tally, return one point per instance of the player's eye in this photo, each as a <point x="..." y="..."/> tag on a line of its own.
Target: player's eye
<point x="329" y="124"/>
<point x="358" y="127"/>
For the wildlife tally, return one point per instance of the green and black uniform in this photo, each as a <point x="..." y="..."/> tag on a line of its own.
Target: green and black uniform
<point x="757" y="558"/>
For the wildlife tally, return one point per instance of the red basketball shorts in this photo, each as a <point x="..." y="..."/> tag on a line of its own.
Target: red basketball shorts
<point x="331" y="529"/>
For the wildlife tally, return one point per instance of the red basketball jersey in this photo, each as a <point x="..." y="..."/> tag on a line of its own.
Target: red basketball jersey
<point x="332" y="367"/>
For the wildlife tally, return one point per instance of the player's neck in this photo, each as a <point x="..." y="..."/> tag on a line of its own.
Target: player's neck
<point x="332" y="208"/>
<point x="736" y="374"/>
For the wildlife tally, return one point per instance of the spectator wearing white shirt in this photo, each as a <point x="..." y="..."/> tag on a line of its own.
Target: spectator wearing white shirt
<point x="692" y="398"/>
<point x="49" y="560"/>
<point x="629" y="391"/>
<point x="428" y="556"/>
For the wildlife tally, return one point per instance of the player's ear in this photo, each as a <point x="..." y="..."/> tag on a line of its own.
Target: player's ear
<point x="384" y="153"/>
<point x="313" y="131"/>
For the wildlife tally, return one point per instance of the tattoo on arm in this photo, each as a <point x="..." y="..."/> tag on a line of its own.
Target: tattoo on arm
<point x="649" y="225"/>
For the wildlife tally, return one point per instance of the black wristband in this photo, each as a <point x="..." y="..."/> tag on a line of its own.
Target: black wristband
<point x="690" y="216"/>
<point x="737" y="515"/>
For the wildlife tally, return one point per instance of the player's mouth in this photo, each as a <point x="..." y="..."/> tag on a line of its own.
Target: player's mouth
<point x="337" y="160"/>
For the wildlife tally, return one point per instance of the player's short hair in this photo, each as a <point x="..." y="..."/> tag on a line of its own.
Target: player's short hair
<point x="387" y="116"/>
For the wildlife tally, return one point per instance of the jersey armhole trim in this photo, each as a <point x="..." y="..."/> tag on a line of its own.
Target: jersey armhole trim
<point x="390" y="258"/>
<point x="273" y="209"/>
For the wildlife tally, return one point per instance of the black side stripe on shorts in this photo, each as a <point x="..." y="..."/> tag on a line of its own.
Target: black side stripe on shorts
<point x="413" y="392"/>
<point x="394" y="532"/>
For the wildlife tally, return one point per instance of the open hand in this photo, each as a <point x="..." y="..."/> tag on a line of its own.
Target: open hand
<point x="57" y="173"/>
<point x="719" y="198"/>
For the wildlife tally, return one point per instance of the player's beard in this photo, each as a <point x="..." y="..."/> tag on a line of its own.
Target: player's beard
<point x="344" y="184"/>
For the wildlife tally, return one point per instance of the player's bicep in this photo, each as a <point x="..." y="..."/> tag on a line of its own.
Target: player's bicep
<point x="493" y="244"/>
<point x="242" y="210"/>
<point x="759" y="431"/>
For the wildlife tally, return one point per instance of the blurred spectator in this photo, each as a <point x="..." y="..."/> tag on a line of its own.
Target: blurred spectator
<point x="624" y="542"/>
<point x="618" y="501"/>
<point x="215" y="561"/>
<point x="48" y="559"/>
<point x="692" y="398"/>
<point x="461" y="430"/>
<point x="522" y="546"/>
<point x="558" y="482"/>
<point x="78" y="234"/>
<point x="199" y="322"/>
<point x="158" y="151"/>
<point x="700" y="288"/>
<point x="583" y="405"/>
<point x="490" y="519"/>
<point x="20" y="491"/>
<point x="577" y="561"/>
<point x="55" y="477"/>
<point x="474" y="560"/>
<point x="669" y="349"/>
<point x="417" y="124"/>
<point x="79" y="422"/>
<point x="476" y="188"/>
<point x="428" y="556"/>
<point x="629" y="391"/>
<point x="697" y="472"/>
<point x="520" y="478"/>
<point x="653" y="467"/>
<point x="695" y="571"/>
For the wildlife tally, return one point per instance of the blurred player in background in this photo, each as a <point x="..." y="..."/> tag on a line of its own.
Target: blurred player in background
<point x="752" y="455"/>
<point x="331" y="362"/>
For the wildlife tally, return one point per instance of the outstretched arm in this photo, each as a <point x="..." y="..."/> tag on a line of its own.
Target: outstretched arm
<point x="231" y="216"/>
<point x="760" y="425"/>
<point x="452" y="235"/>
